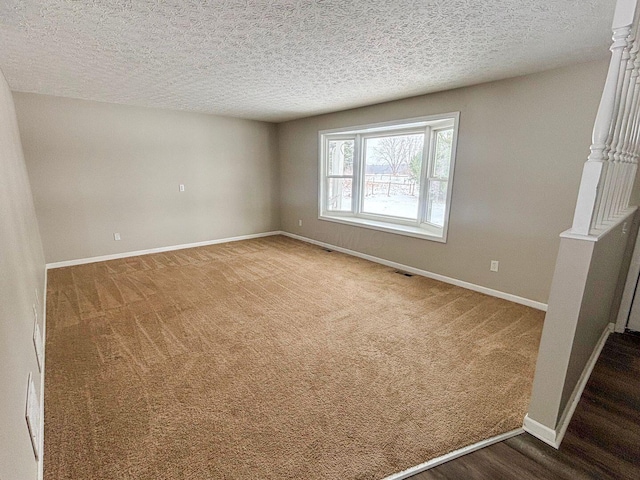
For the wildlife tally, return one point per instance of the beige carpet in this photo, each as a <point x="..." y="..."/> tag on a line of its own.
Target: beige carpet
<point x="273" y="359"/>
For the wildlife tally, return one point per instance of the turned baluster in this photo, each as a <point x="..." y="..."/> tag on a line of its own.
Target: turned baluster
<point x="624" y="134"/>
<point x="590" y="191"/>
<point x="634" y="152"/>
<point x="607" y="207"/>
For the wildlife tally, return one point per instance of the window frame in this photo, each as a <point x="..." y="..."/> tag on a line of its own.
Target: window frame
<point x="429" y="126"/>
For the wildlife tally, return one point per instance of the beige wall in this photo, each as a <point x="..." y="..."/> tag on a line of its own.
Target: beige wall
<point x="100" y="168"/>
<point x="22" y="271"/>
<point x="521" y="146"/>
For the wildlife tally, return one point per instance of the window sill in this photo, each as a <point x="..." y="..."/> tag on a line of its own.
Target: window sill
<point x="434" y="234"/>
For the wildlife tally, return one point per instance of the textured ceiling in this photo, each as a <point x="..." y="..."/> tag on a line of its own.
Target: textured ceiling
<point x="282" y="59"/>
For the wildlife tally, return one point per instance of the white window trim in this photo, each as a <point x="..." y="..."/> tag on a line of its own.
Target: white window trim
<point x="378" y="222"/>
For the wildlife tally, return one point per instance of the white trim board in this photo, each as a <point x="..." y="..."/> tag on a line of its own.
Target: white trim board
<point x="42" y="373"/>
<point x="554" y="437"/>
<point x="599" y="234"/>
<point x="115" y="256"/>
<point x="425" y="273"/>
<point x="453" y="455"/>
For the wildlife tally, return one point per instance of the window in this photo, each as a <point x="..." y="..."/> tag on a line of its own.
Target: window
<point x="394" y="176"/>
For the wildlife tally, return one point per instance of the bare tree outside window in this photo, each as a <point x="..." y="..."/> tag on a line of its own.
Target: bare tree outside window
<point x="397" y="152"/>
<point x="390" y="188"/>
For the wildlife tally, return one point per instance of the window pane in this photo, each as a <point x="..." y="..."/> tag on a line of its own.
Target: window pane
<point x="442" y="160"/>
<point x="339" y="195"/>
<point x="340" y="157"/>
<point x="437" y="202"/>
<point x="392" y="167"/>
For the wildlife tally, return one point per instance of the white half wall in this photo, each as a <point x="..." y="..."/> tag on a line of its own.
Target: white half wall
<point x="585" y="296"/>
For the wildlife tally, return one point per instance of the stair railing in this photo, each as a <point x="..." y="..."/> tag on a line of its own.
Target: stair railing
<point x="610" y="170"/>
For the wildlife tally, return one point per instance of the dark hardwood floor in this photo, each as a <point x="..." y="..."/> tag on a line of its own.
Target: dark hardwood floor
<point x="602" y="441"/>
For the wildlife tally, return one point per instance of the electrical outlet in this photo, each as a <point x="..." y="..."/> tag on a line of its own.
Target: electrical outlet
<point x="116" y="236"/>
<point x="181" y="187"/>
<point x="299" y="223"/>
<point x="494" y="265"/>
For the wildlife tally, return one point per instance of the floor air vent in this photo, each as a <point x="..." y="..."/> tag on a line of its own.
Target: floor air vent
<point x="406" y="274"/>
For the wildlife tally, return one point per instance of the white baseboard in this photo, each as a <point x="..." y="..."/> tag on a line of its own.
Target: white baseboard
<point x="425" y="273"/>
<point x="115" y="256"/>
<point x="42" y="373"/>
<point x="399" y="266"/>
<point x="554" y="437"/>
<point x="574" y="399"/>
<point x="540" y="431"/>
<point x="453" y="455"/>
